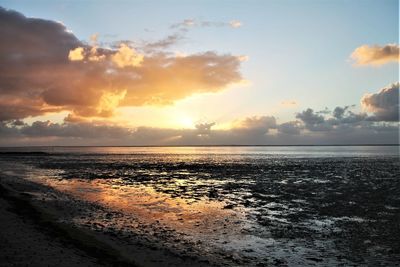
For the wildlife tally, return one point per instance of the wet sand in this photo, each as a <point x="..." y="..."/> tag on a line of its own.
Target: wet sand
<point x="29" y="237"/>
<point x="24" y="243"/>
<point x="36" y="230"/>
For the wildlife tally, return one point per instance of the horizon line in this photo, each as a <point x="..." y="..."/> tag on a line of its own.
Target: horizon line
<point x="232" y="145"/>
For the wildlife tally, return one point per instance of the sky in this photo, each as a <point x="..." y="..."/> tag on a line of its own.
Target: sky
<point x="199" y="72"/>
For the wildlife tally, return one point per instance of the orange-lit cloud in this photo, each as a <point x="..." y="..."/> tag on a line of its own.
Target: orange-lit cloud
<point x="289" y="103"/>
<point x="243" y="58"/>
<point x="384" y="104"/>
<point x="45" y="68"/>
<point x="376" y="55"/>
<point x="94" y="38"/>
<point x="76" y="54"/>
<point x="339" y="126"/>
<point x="235" y="24"/>
<point x="351" y="128"/>
<point x="127" y="56"/>
<point x="94" y="56"/>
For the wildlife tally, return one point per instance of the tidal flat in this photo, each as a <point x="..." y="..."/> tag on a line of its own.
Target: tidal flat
<point x="321" y="206"/>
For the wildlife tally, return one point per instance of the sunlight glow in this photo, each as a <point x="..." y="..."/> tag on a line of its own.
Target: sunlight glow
<point x="185" y="121"/>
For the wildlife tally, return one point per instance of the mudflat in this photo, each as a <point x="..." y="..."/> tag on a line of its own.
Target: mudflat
<point x="209" y="209"/>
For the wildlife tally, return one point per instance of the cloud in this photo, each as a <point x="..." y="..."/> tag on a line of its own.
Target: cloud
<point x="324" y="111"/>
<point x="235" y="24"/>
<point x="73" y="130"/>
<point x="127" y="57"/>
<point x="165" y="43"/>
<point x="30" y="49"/>
<point x="349" y="117"/>
<point x="83" y="133"/>
<point x="375" y="55"/>
<point x="94" y="38"/>
<point x="256" y="123"/>
<point x="289" y="103"/>
<point x="339" y="112"/>
<point x="204" y="128"/>
<point x="184" y="23"/>
<point x="325" y="120"/>
<point x="340" y="126"/>
<point x="248" y="130"/>
<point x="312" y="120"/>
<point x="189" y="23"/>
<point x="384" y="104"/>
<point x="94" y="55"/>
<point x="45" y="68"/>
<point x="291" y="127"/>
<point x="76" y="54"/>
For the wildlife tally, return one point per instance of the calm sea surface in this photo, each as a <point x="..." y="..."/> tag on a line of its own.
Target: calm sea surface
<point x="286" y="151"/>
<point x="265" y="205"/>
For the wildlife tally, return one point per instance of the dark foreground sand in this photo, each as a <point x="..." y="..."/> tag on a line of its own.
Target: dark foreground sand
<point x="23" y="242"/>
<point x="31" y="235"/>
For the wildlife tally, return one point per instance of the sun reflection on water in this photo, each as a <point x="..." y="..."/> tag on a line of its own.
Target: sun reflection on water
<point x="184" y="215"/>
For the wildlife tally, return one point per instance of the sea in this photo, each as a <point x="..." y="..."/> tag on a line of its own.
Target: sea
<point x="248" y="205"/>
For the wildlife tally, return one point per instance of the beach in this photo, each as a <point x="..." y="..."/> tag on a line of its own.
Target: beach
<point x="226" y="207"/>
<point x="34" y="233"/>
<point x="199" y="133"/>
<point x="27" y="241"/>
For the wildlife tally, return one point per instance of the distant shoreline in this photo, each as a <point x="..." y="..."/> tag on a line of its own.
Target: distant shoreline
<point x="339" y="145"/>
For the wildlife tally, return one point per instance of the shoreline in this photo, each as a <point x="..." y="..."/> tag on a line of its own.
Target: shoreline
<point x="229" y="145"/>
<point x="102" y="247"/>
<point x="20" y="204"/>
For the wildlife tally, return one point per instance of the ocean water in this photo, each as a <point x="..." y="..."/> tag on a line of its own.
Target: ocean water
<point x="261" y="205"/>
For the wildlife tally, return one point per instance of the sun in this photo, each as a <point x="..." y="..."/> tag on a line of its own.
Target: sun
<point x="185" y="121"/>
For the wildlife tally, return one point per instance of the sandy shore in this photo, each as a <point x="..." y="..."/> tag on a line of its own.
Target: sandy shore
<point x="24" y="243"/>
<point x="32" y="234"/>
